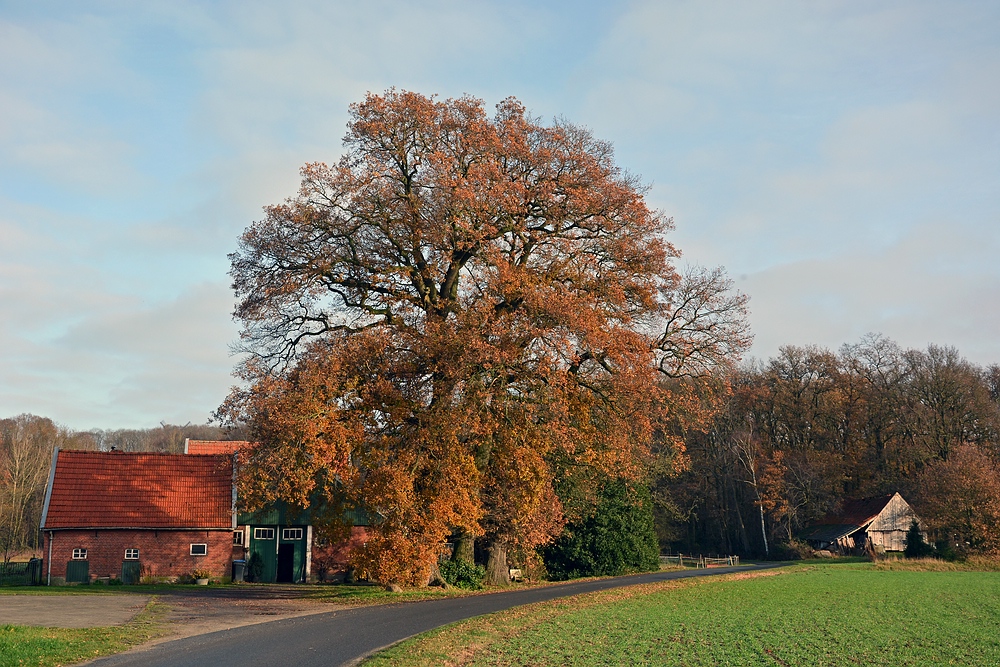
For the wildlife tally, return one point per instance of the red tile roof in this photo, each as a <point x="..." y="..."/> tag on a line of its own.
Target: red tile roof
<point x="140" y="490"/>
<point x="213" y="446"/>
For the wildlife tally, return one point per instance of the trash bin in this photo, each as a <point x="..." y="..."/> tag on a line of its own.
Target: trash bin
<point x="239" y="570"/>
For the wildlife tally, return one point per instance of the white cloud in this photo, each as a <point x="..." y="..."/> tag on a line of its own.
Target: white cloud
<point x="929" y="287"/>
<point x="844" y="158"/>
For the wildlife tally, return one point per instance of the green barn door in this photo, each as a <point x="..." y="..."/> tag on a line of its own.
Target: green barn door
<point x="131" y="572"/>
<point x="263" y="554"/>
<point x="292" y="555"/>
<point x="78" y="572"/>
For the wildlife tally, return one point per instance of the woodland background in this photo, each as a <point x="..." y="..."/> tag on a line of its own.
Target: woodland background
<point x="789" y="438"/>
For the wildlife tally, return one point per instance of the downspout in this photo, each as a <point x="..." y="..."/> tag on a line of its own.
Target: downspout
<point x="48" y="578"/>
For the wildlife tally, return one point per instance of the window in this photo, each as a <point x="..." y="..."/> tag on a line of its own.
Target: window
<point x="79" y="554"/>
<point x="199" y="549"/>
<point x="291" y="534"/>
<point x="263" y="533"/>
<point x="237" y="538"/>
<point x="131" y="554"/>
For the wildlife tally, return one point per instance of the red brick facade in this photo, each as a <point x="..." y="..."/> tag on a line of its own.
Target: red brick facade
<point x="162" y="553"/>
<point x="330" y="561"/>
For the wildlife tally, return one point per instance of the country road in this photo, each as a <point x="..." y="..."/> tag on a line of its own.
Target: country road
<point x="344" y="636"/>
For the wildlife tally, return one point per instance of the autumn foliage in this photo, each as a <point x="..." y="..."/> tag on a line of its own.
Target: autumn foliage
<point x="453" y="316"/>
<point x="811" y="427"/>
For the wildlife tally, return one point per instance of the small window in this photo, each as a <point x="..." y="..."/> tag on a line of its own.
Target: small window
<point x="79" y="554"/>
<point x="199" y="549"/>
<point x="263" y="533"/>
<point x="237" y="538"/>
<point x="291" y="534"/>
<point x="131" y="554"/>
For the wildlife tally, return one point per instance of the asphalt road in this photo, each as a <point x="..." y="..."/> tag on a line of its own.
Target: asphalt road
<point x="343" y="637"/>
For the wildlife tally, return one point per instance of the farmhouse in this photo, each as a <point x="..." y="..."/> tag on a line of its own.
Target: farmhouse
<point x="122" y="514"/>
<point x="879" y="524"/>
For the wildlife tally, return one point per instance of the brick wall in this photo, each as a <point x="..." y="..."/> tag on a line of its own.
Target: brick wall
<point x="162" y="553"/>
<point x="333" y="560"/>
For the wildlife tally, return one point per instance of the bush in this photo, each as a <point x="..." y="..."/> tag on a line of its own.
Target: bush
<point x="791" y="550"/>
<point x="944" y="551"/>
<point x="916" y="547"/>
<point x="255" y="568"/>
<point x="616" y="539"/>
<point x="462" y="574"/>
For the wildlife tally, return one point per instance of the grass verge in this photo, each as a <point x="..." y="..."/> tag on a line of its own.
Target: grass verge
<point x="43" y="647"/>
<point x="973" y="564"/>
<point x="829" y="614"/>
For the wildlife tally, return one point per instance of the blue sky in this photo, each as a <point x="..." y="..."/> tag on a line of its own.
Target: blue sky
<point x="840" y="159"/>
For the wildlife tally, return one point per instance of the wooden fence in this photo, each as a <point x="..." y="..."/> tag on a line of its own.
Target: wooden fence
<point x="699" y="561"/>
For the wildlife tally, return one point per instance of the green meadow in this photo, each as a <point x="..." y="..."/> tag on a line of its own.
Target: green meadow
<point x="829" y="614"/>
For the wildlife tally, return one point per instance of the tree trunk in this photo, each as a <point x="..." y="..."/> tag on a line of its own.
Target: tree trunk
<point x="497" y="570"/>
<point x="465" y="548"/>
<point x="435" y="578"/>
<point x="763" y="532"/>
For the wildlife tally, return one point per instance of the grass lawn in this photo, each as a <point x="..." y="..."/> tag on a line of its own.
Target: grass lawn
<point x="828" y="614"/>
<point x="21" y="645"/>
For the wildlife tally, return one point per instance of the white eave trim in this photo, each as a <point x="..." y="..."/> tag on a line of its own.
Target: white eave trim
<point x="48" y="487"/>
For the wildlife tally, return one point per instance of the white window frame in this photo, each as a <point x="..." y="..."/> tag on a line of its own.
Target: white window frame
<point x="238" y="537"/>
<point x="79" y="553"/>
<point x="287" y="533"/>
<point x="203" y="549"/>
<point x="131" y="554"/>
<point x="263" y="533"/>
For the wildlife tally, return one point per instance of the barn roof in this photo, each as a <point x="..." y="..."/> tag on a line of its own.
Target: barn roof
<point x="139" y="490"/>
<point x="213" y="446"/>
<point x="855" y="513"/>
<point x="827" y="532"/>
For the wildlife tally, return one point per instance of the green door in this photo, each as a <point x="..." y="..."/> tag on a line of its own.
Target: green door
<point x="131" y="572"/>
<point x="278" y="552"/>
<point x="263" y="554"/>
<point x="78" y="572"/>
<point x="292" y="554"/>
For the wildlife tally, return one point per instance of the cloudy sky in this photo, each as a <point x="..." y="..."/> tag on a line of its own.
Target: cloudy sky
<point x="840" y="159"/>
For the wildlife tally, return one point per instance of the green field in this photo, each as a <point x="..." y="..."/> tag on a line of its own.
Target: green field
<point x="831" y="614"/>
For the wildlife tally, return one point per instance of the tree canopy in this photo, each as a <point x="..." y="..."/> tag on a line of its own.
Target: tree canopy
<point x="458" y="311"/>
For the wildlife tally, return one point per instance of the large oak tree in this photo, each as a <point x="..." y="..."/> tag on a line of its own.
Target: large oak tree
<point x="460" y="310"/>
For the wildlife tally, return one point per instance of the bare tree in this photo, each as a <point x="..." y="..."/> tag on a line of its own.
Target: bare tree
<point x="26" y="444"/>
<point x="706" y="327"/>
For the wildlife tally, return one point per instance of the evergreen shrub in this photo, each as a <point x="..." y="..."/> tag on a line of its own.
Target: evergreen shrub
<point x="916" y="547"/>
<point x="617" y="538"/>
<point x="463" y="574"/>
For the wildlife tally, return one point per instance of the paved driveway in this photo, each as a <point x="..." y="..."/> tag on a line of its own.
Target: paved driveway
<point x="191" y="611"/>
<point x="70" y="611"/>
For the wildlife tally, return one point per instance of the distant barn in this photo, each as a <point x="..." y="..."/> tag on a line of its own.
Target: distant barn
<point x="878" y="524"/>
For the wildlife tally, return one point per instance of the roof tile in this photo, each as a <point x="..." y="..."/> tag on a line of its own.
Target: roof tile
<point x="140" y="490"/>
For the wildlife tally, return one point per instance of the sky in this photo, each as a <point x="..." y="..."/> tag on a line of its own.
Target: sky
<point x="840" y="159"/>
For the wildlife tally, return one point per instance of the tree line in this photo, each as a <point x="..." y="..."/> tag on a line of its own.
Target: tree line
<point x="794" y="436"/>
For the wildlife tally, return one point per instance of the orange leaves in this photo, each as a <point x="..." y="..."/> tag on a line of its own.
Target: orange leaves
<point x="961" y="495"/>
<point x="433" y="319"/>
